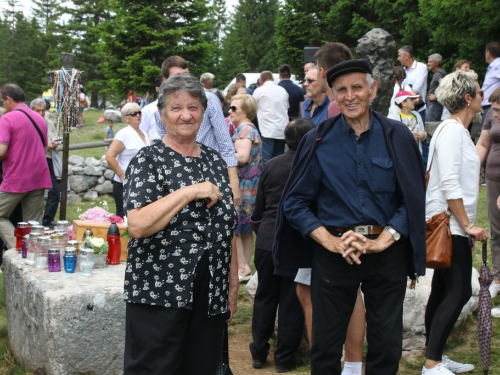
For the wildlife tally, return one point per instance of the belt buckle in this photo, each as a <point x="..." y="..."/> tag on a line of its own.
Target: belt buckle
<point x="363" y="229"/>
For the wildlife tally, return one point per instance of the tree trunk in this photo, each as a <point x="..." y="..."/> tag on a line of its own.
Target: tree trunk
<point x="103" y="102"/>
<point x="94" y="99"/>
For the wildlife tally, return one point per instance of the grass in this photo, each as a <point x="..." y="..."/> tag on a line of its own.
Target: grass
<point x="462" y="344"/>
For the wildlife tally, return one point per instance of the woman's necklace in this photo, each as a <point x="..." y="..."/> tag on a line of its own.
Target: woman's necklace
<point x="458" y="120"/>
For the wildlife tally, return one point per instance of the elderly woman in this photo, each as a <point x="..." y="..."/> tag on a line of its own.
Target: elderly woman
<point x="453" y="184"/>
<point x="248" y="147"/>
<point x="181" y="219"/>
<point x="234" y="89"/>
<point x="126" y="144"/>
<point x="273" y="290"/>
<point x="488" y="148"/>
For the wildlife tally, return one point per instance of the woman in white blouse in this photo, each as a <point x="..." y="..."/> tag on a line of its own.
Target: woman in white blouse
<point x="126" y="144"/>
<point x="454" y="184"/>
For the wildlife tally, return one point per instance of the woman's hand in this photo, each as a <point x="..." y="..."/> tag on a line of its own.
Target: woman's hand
<point x="206" y="190"/>
<point x="478" y="234"/>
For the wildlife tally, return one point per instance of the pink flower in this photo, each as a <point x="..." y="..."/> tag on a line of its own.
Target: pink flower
<point x="115" y="219"/>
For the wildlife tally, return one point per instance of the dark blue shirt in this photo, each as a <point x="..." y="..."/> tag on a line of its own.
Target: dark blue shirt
<point x="349" y="181"/>
<point x="295" y="97"/>
<point x="320" y="113"/>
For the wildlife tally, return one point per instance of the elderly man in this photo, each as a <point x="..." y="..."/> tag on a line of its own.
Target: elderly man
<point x="38" y="105"/>
<point x="23" y="138"/>
<point x="353" y="208"/>
<point x="434" y="108"/>
<point x="207" y="80"/>
<point x="315" y="107"/>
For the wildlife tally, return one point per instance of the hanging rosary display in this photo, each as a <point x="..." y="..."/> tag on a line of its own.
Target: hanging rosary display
<point x="66" y="87"/>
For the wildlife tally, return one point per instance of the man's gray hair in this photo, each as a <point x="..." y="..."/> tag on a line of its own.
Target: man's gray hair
<point x="436" y="57"/>
<point x="37" y="101"/>
<point x="206" y="78"/>
<point x="453" y="88"/>
<point x="181" y="83"/>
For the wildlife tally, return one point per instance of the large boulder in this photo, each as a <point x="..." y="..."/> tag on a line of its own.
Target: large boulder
<point x="103" y="162"/>
<point x="61" y="323"/>
<point x="100" y="180"/>
<point x="73" y="198"/>
<point x="105" y="188"/>
<point x="414" y="307"/>
<point x="91" y="180"/>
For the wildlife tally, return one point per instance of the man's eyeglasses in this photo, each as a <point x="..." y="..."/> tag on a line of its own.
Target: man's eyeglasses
<point x="309" y="80"/>
<point x="233" y="108"/>
<point x="133" y="114"/>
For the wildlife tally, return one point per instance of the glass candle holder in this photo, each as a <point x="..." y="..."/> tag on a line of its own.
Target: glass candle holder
<point x="87" y="260"/>
<point x="54" y="260"/>
<point x="21" y="230"/>
<point x="31" y="248"/>
<point x="70" y="259"/>
<point x="42" y="252"/>
<point x="24" y="251"/>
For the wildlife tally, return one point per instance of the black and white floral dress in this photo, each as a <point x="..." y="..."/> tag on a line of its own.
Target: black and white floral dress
<point x="161" y="268"/>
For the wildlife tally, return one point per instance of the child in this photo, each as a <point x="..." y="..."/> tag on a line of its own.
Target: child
<point x="109" y="132"/>
<point x="406" y="103"/>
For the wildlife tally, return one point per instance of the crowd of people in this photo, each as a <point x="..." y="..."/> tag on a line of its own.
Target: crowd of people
<point x="334" y="192"/>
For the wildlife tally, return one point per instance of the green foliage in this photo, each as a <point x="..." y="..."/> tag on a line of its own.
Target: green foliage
<point x="249" y="44"/>
<point x="143" y="33"/>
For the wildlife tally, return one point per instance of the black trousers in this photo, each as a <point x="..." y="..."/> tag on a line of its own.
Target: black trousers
<point x="118" y="197"/>
<point x="273" y="292"/>
<point x="53" y="196"/>
<point x="334" y="287"/>
<point x="450" y="291"/>
<point x="171" y="341"/>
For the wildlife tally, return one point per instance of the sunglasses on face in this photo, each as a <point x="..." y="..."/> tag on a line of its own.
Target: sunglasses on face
<point x="309" y="80"/>
<point x="233" y="108"/>
<point x="481" y="93"/>
<point x="133" y="114"/>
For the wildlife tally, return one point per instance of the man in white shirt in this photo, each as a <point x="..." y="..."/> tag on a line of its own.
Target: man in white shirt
<point x="416" y="75"/>
<point x="272" y="114"/>
<point x="148" y="118"/>
<point x="492" y="77"/>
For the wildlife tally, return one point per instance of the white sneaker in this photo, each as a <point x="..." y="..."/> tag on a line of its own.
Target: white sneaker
<point x="494" y="289"/>
<point x="456" y="367"/>
<point x="439" y="369"/>
<point x="495" y="313"/>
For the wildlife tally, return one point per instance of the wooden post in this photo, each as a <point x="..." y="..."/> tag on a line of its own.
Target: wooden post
<point x="64" y="177"/>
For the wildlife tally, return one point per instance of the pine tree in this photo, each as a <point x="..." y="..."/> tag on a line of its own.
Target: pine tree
<point x="249" y="44"/>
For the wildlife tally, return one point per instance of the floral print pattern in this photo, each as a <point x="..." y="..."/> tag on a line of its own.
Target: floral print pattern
<point x="161" y="268"/>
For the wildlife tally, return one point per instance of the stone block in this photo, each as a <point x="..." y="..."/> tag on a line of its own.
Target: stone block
<point x="109" y="174"/>
<point x="61" y="323"/>
<point x="105" y="188"/>
<point x="78" y="171"/>
<point x="101" y="168"/>
<point x="93" y="171"/>
<point x="73" y="198"/>
<point x="91" y="180"/>
<point x="75" y="159"/>
<point x="100" y="180"/>
<point x="103" y="162"/>
<point x="91" y="161"/>
<point x="91" y="195"/>
<point x="78" y="184"/>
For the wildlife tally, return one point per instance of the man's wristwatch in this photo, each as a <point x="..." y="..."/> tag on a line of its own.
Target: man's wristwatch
<point x="395" y="235"/>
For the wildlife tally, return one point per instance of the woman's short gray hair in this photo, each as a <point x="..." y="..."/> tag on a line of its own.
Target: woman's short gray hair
<point x="181" y="83"/>
<point x="453" y="88"/>
<point x="130" y="107"/>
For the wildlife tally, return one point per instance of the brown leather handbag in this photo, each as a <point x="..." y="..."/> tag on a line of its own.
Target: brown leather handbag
<point x="438" y="233"/>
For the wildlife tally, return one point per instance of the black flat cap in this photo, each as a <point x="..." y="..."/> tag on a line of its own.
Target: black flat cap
<point x="349" y="66"/>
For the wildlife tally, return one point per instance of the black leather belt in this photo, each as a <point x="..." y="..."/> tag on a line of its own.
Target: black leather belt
<point x="361" y="229"/>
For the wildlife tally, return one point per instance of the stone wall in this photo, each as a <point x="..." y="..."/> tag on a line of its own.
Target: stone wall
<point x="88" y="178"/>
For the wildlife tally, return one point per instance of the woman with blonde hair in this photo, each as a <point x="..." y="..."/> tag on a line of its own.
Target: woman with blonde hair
<point x="453" y="186"/>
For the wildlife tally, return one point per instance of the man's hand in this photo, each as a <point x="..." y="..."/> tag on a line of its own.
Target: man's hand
<point x="431" y="97"/>
<point x="357" y="243"/>
<point x="334" y="244"/>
